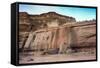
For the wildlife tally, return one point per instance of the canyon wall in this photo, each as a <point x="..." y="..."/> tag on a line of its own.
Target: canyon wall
<point x="54" y="31"/>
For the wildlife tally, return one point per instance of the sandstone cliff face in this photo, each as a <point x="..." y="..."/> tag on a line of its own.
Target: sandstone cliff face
<point x="29" y="23"/>
<point x="53" y="31"/>
<point x="43" y="20"/>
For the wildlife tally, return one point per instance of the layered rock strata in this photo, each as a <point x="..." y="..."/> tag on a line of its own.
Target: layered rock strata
<point x="52" y="31"/>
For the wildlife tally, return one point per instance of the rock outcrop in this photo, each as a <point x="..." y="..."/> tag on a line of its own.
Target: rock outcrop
<point x="50" y="19"/>
<point x="29" y="23"/>
<point x="50" y="31"/>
